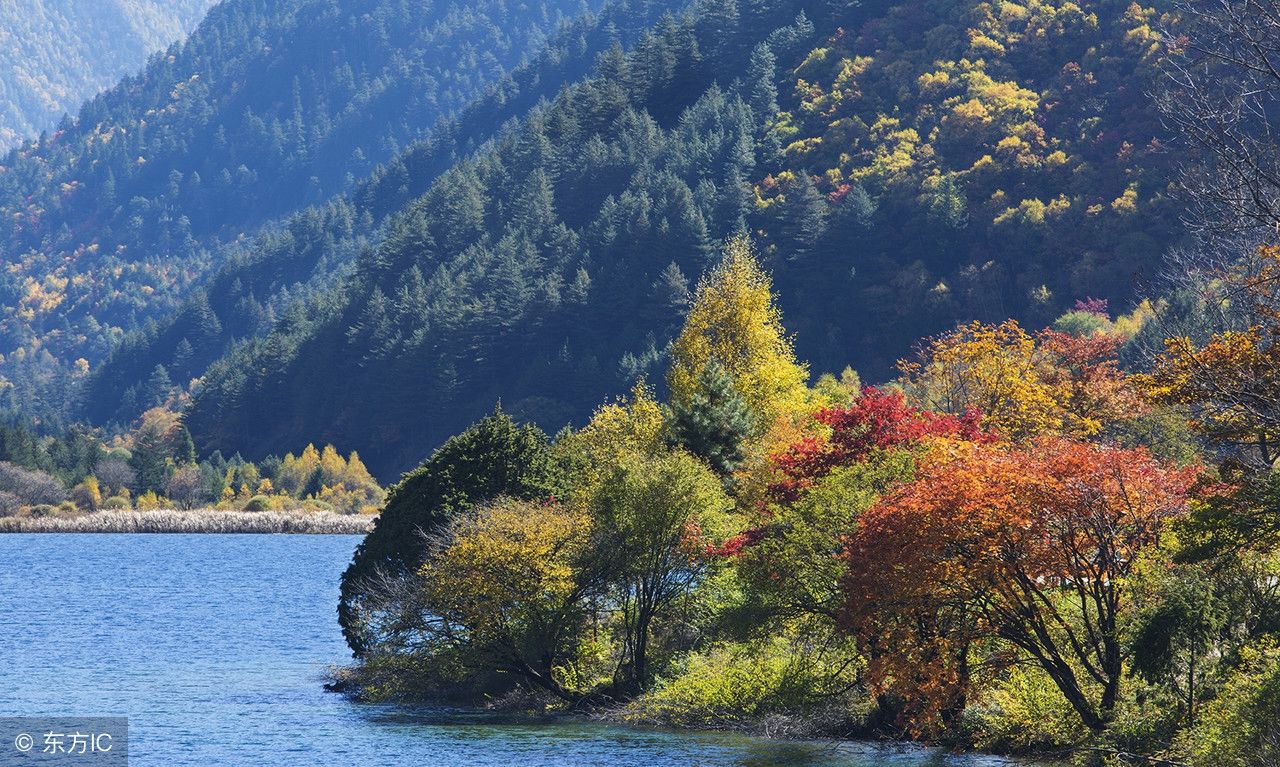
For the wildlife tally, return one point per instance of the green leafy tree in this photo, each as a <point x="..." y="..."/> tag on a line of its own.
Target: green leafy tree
<point x="494" y="458"/>
<point x="652" y="514"/>
<point x="1174" y="639"/>
<point x="1240" y="727"/>
<point x="501" y="589"/>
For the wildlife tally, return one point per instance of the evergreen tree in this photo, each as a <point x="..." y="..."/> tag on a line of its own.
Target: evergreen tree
<point x="762" y="77"/>
<point x="158" y="387"/>
<point x="182" y="357"/>
<point x="805" y="215"/>
<point x="671" y="290"/>
<point x="714" y="423"/>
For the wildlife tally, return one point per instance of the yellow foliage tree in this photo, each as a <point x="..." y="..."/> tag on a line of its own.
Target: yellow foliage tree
<point x="503" y="583"/>
<point x="1231" y="383"/>
<point x="991" y="368"/>
<point x="333" y="469"/>
<point x="735" y="322"/>
<point x="625" y="428"/>
<point x="1052" y="383"/>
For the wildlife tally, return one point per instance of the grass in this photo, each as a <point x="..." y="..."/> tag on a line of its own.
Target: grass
<point x="198" y="521"/>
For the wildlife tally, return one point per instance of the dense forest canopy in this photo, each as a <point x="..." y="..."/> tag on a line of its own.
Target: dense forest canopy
<point x="303" y="254"/>
<point x="902" y="167"/>
<point x="54" y="54"/>
<point x="270" y="106"/>
<point x="453" y="208"/>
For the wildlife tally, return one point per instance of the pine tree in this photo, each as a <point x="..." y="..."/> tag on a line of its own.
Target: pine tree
<point x="761" y="73"/>
<point x="806" y="215"/>
<point x="671" y="291"/>
<point x="714" y="422"/>
<point x="762" y="76"/>
<point x="182" y="357"/>
<point x="158" y="387"/>
<point x="854" y="211"/>
<point x="185" y="450"/>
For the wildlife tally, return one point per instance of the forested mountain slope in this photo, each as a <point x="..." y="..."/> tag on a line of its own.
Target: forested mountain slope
<point x="1011" y="157"/>
<point x="270" y="105"/>
<point x="292" y="263"/>
<point x="901" y="165"/>
<point x="54" y="54"/>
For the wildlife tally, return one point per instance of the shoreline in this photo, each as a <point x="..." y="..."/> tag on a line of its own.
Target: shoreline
<point x="762" y="728"/>
<point x="809" y="726"/>
<point x="208" y="521"/>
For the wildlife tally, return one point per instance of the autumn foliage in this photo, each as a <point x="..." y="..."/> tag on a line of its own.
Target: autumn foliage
<point x="877" y="420"/>
<point x="1231" y="380"/>
<point x="1025" y="546"/>
<point x="1049" y="383"/>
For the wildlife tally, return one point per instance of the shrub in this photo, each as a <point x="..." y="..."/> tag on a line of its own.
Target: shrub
<point x="1024" y="711"/>
<point x="737" y="685"/>
<point x="87" y="495"/>
<point x="68" y="507"/>
<point x="43" y="510"/>
<point x="116" y="502"/>
<point x="1240" y="728"/>
<point x="260" y="503"/>
<point x="149" y="501"/>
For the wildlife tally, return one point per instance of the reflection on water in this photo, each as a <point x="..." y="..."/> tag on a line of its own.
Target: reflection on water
<point x="215" y="647"/>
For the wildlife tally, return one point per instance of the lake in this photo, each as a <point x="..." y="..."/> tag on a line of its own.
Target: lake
<point x="215" y="647"/>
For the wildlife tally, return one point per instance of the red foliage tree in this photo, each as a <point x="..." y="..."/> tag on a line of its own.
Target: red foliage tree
<point x="1026" y="547"/>
<point x="877" y="420"/>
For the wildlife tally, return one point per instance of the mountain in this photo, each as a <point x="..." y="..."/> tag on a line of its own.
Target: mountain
<point x="901" y="166"/>
<point x="54" y="54"/>
<point x="269" y="106"/>
<point x="302" y="255"/>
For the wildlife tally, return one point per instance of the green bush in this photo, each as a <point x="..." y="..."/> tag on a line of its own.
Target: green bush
<point x="1082" y="324"/>
<point x="737" y="685"/>
<point x="43" y="510"/>
<point x="260" y="503"/>
<point x="116" y="502"/>
<point x="1241" y="727"/>
<point x="1022" y="712"/>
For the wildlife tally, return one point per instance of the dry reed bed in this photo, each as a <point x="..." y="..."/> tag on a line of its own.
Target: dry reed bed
<point x="206" y="521"/>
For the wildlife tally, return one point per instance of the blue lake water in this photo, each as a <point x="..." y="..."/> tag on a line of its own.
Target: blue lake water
<point x="215" y="648"/>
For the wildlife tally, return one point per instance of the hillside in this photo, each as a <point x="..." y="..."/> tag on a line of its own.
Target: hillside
<point x="302" y="255"/>
<point x="901" y="167"/>
<point x="54" y="54"/>
<point x="270" y="106"/>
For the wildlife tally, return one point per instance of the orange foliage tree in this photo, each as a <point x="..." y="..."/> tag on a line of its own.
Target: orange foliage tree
<point x="1024" y="385"/>
<point x="1023" y="549"/>
<point x="1232" y="381"/>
